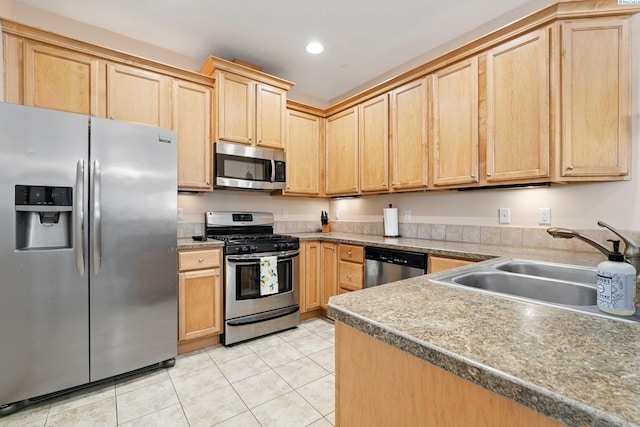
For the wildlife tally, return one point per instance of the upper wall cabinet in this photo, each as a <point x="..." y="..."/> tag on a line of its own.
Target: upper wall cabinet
<point x="250" y="105"/>
<point x="595" y="65"/>
<point x="138" y="96"/>
<point x="517" y="120"/>
<point x="51" y="71"/>
<point x="304" y="145"/>
<point x="409" y="149"/>
<point x="60" y="79"/>
<point x="341" y="161"/>
<point x="454" y="124"/>
<point x="374" y="144"/>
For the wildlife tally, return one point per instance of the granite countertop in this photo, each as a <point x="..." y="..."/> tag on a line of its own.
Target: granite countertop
<point x="189" y="243"/>
<point x="576" y="368"/>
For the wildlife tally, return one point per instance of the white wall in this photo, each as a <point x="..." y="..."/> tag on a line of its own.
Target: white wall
<point x="8" y="8"/>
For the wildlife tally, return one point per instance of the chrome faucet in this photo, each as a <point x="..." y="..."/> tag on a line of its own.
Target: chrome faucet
<point x="631" y="249"/>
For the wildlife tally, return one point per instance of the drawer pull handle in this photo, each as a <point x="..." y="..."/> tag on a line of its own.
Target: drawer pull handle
<point x="349" y="253"/>
<point x="349" y="276"/>
<point x="201" y="260"/>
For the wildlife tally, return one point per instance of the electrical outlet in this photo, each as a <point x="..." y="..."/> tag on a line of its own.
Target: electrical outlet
<point x="285" y="214"/>
<point x="407" y="214"/>
<point x="337" y="214"/>
<point x="179" y="214"/>
<point x="544" y="216"/>
<point x="504" y="215"/>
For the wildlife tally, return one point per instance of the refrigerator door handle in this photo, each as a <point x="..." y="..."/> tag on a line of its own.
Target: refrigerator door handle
<point x="79" y="217"/>
<point x="97" y="219"/>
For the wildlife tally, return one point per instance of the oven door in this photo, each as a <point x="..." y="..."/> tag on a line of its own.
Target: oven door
<point x="242" y="284"/>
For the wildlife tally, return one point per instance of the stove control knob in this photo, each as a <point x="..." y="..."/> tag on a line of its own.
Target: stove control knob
<point x="253" y="248"/>
<point x="291" y="245"/>
<point x="244" y="249"/>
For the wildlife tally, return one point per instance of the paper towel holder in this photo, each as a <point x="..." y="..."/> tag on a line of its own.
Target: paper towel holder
<point x="390" y="226"/>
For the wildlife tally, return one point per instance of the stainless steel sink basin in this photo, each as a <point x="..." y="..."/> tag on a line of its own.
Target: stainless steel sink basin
<point x="543" y="289"/>
<point x="560" y="285"/>
<point x="571" y="273"/>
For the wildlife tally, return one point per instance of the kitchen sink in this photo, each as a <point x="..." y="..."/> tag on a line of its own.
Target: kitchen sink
<point x="565" y="286"/>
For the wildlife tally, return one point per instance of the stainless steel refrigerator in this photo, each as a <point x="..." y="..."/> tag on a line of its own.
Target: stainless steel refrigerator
<point x="88" y="282"/>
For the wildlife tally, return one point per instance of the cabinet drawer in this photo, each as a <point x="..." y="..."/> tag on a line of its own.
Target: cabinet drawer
<point x="196" y="260"/>
<point x="351" y="276"/>
<point x="352" y="253"/>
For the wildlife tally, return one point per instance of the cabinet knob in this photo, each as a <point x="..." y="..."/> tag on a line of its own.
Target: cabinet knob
<point x="349" y="276"/>
<point x="201" y="260"/>
<point x="570" y="167"/>
<point x="394" y="183"/>
<point x="384" y="184"/>
<point x="349" y="253"/>
<point x="473" y="175"/>
<point x="354" y="187"/>
<point x="217" y="274"/>
<point x="488" y="173"/>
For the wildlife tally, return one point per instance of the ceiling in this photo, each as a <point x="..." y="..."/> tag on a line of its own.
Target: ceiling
<point x="363" y="39"/>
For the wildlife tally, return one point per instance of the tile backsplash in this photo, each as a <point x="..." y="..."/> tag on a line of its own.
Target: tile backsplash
<point x="483" y="234"/>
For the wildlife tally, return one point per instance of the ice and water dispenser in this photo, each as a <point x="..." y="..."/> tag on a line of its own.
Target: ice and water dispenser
<point x="43" y="217"/>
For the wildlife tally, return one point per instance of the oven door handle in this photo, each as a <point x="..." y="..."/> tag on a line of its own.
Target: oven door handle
<point x="282" y="256"/>
<point x="263" y="317"/>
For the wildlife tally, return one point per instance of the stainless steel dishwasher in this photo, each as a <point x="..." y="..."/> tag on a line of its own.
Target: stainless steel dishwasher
<point x="382" y="265"/>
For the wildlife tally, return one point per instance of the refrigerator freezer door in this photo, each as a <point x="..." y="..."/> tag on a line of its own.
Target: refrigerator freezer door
<point x="133" y="260"/>
<point x="44" y="337"/>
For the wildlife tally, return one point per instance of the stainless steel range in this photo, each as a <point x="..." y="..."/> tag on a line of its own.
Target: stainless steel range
<point x="261" y="292"/>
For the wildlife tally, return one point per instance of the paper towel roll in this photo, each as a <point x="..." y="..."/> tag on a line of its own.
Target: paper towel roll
<point x="391" y="222"/>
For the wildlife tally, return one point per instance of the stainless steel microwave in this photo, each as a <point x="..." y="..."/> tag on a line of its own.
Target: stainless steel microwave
<point x="249" y="168"/>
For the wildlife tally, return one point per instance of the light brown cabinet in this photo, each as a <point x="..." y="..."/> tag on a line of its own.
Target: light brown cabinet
<point x="436" y="263"/>
<point x="350" y="268"/>
<point x="374" y="144"/>
<point x="328" y="272"/>
<point x="595" y="64"/>
<point x="199" y="298"/>
<point x="341" y="161"/>
<point x="137" y="95"/>
<point x="250" y="105"/>
<point x="304" y="144"/>
<point x="60" y="79"/>
<point x="409" y="149"/>
<point x="191" y="108"/>
<point x="310" y="273"/>
<point x="517" y="94"/>
<point x="454" y="127"/>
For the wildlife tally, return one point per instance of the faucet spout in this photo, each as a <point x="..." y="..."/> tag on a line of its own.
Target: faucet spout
<point x="565" y="233"/>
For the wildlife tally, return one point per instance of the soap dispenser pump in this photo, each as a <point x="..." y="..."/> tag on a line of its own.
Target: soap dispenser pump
<point x="616" y="282"/>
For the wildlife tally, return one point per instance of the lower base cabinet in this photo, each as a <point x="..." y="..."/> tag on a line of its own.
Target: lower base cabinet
<point x="310" y="292"/>
<point x="380" y="385"/>
<point x="439" y="263"/>
<point x="199" y="299"/>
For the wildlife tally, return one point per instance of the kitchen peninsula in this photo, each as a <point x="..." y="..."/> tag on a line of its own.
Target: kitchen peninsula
<point x="417" y="350"/>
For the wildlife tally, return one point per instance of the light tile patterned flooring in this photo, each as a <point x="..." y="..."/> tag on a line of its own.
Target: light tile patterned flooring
<point x="285" y="379"/>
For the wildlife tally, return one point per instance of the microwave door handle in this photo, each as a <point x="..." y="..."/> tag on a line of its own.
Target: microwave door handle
<point x="273" y="170"/>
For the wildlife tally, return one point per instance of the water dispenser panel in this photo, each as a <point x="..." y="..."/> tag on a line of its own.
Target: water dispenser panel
<point x="43" y="195"/>
<point x="43" y="217"/>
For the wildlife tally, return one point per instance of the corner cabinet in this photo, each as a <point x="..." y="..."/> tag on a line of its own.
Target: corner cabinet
<point x="250" y="105"/>
<point x="595" y="69"/>
<point x="304" y="144"/>
<point x="199" y="298"/>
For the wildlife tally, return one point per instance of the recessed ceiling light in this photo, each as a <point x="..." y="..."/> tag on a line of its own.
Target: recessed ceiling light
<point x="315" y="48"/>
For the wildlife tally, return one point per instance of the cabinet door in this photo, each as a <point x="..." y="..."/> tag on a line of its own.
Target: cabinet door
<point x="518" y="108"/>
<point x="200" y="304"/>
<point x="303" y="153"/>
<point x="192" y="119"/>
<point x="329" y="271"/>
<point x="235" y="108"/>
<point x="455" y="124"/>
<point x="409" y="152"/>
<point x="310" y="294"/>
<point x="439" y="263"/>
<point x="596" y="95"/>
<point x="271" y="104"/>
<point x="341" y="163"/>
<point x="139" y="96"/>
<point x="60" y="79"/>
<point x="374" y="144"/>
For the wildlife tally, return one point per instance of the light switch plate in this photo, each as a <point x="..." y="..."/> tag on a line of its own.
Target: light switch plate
<point x="504" y="215"/>
<point x="285" y="214"/>
<point x="544" y="216"/>
<point x="179" y="214"/>
<point x="407" y="214"/>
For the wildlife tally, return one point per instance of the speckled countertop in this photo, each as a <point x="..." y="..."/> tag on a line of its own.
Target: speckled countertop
<point x="575" y="368"/>
<point x="189" y="243"/>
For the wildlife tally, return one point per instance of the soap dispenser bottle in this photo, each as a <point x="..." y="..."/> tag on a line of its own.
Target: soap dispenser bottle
<point x="616" y="282"/>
